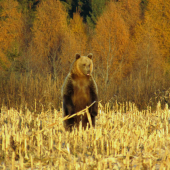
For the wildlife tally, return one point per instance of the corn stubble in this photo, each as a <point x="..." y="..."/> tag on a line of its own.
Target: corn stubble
<point x="123" y="138"/>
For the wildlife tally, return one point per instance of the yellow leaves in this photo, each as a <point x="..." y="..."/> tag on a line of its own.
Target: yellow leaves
<point x="49" y="30"/>
<point x="152" y="38"/>
<point x="158" y="14"/>
<point x="76" y="24"/>
<point x="112" y="31"/>
<point x="4" y="62"/>
<point x="10" y="27"/>
<point x="111" y="39"/>
<point x="9" y="7"/>
<point x="51" y="19"/>
<point x="54" y="40"/>
<point x="79" y="37"/>
<point x="130" y="11"/>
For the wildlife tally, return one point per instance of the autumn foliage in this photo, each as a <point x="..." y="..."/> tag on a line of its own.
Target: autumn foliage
<point x="11" y="26"/>
<point x="78" y="31"/>
<point x="49" y="34"/>
<point x="110" y="43"/>
<point x="129" y="40"/>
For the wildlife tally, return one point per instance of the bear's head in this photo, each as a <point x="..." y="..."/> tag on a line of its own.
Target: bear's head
<point x="83" y="65"/>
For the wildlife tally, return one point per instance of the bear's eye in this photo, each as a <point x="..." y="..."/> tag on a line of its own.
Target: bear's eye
<point x="84" y="65"/>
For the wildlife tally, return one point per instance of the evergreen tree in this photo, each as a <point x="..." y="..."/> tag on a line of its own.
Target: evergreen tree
<point x="81" y="6"/>
<point x="71" y="6"/>
<point x="97" y="7"/>
<point x="90" y="10"/>
<point x="85" y="8"/>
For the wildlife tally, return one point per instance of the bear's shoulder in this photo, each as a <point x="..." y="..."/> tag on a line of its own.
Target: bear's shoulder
<point x="67" y="85"/>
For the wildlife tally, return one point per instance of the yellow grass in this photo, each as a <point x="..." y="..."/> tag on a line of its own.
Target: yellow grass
<point x="121" y="140"/>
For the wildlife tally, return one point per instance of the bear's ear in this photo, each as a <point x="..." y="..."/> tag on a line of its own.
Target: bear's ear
<point x="90" y="56"/>
<point x="77" y="56"/>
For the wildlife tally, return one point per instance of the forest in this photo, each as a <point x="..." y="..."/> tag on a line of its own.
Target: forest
<point x="129" y="41"/>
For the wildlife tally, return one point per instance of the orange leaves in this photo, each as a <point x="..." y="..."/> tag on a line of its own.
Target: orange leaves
<point x="10" y="29"/>
<point x="49" y="24"/>
<point x="152" y="38"/>
<point x="49" y="30"/>
<point x="111" y="40"/>
<point x="79" y="33"/>
<point x="10" y="24"/>
<point x="158" y="15"/>
<point x="76" y="24"/>
<point x="54" y="40"/>
<point x="130" y="11"/>
<point x="147" y="50"/>
<point x="76" y="41"/>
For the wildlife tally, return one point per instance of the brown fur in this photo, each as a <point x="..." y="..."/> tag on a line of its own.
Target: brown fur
<point x="79" y="90"/>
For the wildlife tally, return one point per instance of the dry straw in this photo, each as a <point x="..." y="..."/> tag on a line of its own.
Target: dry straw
<point x="124" y="138"/>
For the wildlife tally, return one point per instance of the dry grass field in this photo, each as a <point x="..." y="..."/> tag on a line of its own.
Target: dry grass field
<point x="124" y="138"/>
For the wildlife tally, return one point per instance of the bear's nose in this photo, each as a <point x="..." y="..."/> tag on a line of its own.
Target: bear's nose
<point x="88" y="72"/>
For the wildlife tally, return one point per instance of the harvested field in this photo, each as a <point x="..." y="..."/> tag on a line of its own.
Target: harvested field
<point x="124" y="138"/>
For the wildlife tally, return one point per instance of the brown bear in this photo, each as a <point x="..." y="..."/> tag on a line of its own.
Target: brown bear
<point x="80" y="90"/>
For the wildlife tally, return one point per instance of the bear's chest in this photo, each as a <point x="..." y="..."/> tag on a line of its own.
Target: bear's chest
<point x="81" y="94"/>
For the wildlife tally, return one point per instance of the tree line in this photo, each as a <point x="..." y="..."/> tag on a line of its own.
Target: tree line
<point x="129" y="40"/>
